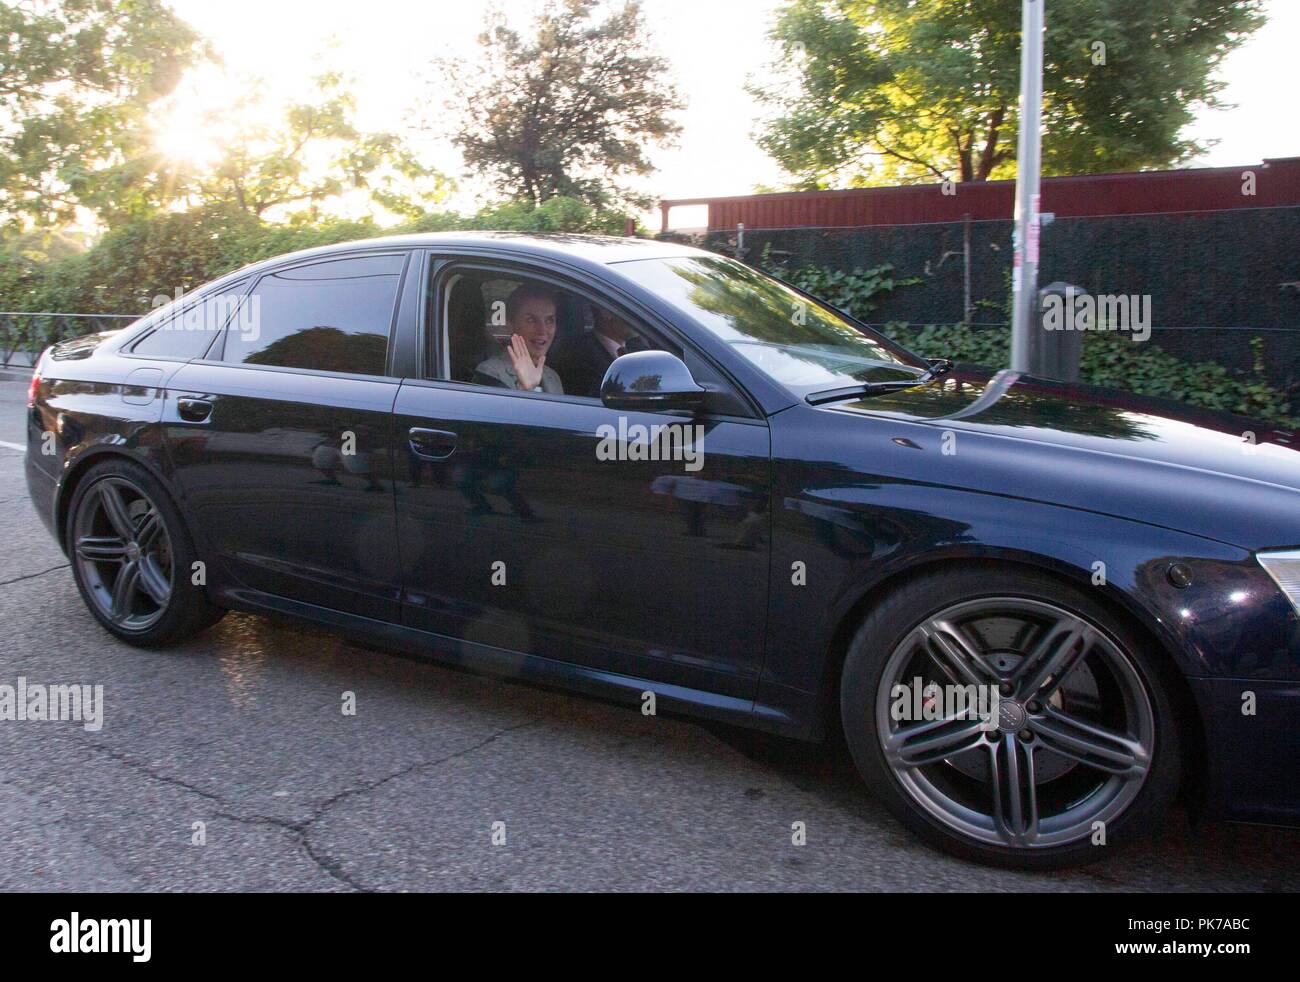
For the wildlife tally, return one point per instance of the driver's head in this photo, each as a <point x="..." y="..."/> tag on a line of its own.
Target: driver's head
<point x="613" y="327"/>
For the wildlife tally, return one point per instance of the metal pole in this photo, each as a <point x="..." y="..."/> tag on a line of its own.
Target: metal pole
<point x="740" y="240"/>
<point x="1024" y="272"/>
<point x="965" y="250"/>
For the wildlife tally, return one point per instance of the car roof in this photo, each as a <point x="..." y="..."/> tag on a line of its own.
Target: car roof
<point x="568" y="247"/>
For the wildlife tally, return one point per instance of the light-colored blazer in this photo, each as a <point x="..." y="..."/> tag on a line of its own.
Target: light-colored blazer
<point x="500" y="368"/>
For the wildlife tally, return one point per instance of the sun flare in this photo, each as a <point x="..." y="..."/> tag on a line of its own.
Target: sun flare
<point x="183" y="139"/>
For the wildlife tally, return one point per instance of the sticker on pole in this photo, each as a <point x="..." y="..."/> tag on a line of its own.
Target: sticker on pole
<point x="1031" y="247"/>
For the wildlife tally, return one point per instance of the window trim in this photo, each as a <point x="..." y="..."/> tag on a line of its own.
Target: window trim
<point x="216" y="351"/>
<point x="442" y="266"/>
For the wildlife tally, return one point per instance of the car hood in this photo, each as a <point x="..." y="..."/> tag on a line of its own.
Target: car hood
<point x="1223" y="476"/>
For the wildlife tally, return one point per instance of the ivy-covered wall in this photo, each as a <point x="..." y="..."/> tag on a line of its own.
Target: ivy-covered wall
<point x="1216" y="280"/>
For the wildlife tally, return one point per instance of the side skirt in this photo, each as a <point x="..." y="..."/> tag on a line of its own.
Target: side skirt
<point x="519" y="667"/>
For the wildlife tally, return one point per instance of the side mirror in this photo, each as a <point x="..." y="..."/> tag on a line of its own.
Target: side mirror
<point x="650" y="381"/>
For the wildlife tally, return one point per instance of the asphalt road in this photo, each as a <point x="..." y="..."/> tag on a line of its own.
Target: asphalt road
<point x="242" y="730"/>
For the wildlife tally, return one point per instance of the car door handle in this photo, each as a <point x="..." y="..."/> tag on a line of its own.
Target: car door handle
<point x="193" y="410"/>
<point x="432" y="444"/>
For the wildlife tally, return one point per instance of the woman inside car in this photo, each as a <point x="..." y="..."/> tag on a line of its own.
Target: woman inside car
<point x="530" y="315"/>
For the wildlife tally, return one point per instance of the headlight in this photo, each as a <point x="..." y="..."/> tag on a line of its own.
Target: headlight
<point x="1284" y="567"/>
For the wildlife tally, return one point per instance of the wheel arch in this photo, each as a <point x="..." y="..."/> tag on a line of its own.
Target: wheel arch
<point x="82" y="465"/>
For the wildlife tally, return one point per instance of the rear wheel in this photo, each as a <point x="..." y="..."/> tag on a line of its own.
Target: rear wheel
<point x="132" y="557"/>
<point x="1084" y="750"/>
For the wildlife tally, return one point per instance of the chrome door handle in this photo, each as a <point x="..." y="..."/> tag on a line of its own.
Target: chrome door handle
<point x="431" y="444"/>
<point x="193" y="410"/>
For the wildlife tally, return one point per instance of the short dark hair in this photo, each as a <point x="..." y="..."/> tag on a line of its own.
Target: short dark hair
<point x="525" y="292"/>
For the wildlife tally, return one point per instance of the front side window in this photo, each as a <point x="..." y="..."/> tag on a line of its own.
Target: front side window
<point x="331" y="316"/>
<point x="797" y="342"/>
<point x="515" y="332"/>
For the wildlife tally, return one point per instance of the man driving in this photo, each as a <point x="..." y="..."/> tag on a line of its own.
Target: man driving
<point x="585" y="358"/>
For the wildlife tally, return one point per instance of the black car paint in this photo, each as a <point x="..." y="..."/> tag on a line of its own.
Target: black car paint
<point x="618" y="590"/>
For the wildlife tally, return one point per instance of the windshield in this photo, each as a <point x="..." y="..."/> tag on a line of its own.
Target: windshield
<point x="797" y="342"/>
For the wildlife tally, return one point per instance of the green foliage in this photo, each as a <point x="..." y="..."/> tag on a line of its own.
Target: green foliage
<point x="1115" y="361"/>
<point x="896" y="91"/>
<point x="1108" y="359"/>
<point x="553" y="215"/>
<point x="77" y="78"/>
<point x="566" y="112"/>
<point x="82" y="85"/>
<point x="851" y="292"/>
<point x="153" y="255"/>
<point x="264" y="167"/>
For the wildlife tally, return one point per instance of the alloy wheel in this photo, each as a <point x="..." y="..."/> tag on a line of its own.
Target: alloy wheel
<point x="1074" y="738"/>
<point x="123" y="553"/>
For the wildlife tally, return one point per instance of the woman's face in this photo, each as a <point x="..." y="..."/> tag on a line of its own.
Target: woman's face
<point x="534" y="321"/>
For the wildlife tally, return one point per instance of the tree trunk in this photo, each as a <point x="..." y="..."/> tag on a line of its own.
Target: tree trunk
<point x="990" y="156"/>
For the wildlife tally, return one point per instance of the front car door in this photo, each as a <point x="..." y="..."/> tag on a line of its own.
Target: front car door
<point x="523" y="527"/>
<point x="281" y="437"/>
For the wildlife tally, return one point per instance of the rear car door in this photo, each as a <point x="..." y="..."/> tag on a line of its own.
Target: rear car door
<point x="516" y="531"/>
<point x="280" y="438"/>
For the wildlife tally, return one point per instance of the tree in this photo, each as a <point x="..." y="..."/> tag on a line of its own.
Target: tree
<point x="567" y="112"/>
<point x="882" y="91"/>
<point x="314" y="154"/>
<point x="77" y="78"/>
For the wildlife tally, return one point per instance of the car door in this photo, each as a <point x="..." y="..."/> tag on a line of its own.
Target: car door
<point x="281" y="437"/>
<point x="517" y="530"/>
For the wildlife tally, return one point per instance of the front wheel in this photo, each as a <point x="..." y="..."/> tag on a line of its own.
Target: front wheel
<point x="1009" y="718"/>
<point x="132" y="557"/>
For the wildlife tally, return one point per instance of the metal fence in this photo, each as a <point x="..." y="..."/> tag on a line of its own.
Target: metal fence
<point x="24" y="335"/>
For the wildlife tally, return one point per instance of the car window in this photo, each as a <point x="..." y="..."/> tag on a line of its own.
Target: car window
<point x="188" y="332"/>
<point x="798" y="343"/>
<point x="330" y="316"/>
<point x="574" y="339"/>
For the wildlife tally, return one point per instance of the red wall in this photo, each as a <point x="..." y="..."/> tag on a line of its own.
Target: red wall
<point x="1277" y="183"/>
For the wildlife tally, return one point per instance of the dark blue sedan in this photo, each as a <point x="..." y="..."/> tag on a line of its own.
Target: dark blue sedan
<point x="1037" y="611"/>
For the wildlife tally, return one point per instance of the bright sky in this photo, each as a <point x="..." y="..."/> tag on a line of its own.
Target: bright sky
<point x="714" y="47"/>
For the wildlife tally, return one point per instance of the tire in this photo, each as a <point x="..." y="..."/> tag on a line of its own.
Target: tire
<point x="122" y="523"/>
<point x="1018" y="794"/>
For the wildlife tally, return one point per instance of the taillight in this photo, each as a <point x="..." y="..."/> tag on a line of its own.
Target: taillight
<point x="32" y="389"/>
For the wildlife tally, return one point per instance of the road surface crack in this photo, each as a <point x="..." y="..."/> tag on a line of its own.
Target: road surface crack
<point x="302" y="830"/>
<point x="32" y="576"/>
<point x="150" y="772"/>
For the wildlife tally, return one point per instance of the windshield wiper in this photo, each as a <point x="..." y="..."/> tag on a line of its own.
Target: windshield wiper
<point x="938" y="366"/>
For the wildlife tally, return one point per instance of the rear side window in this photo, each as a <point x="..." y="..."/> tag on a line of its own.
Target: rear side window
<point x="187" y="333"/>
<point x="330" y="316"/>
